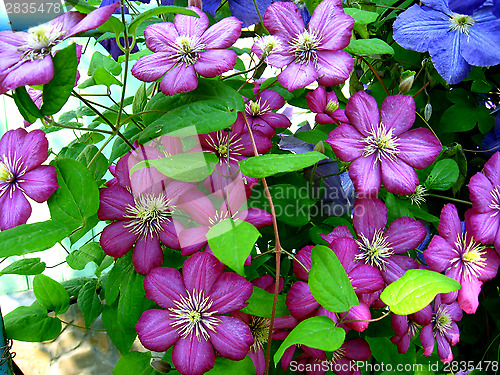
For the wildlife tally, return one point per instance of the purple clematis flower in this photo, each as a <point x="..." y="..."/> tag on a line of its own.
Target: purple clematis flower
<point x="442" y="329"/>
<point x="259" y="112"/>
<point x="185" y="48"/>
<point x="484" y="216"/>
<point x="455" y="41"/>
<point x="382" y="248"/>
<point x="192" y="317"/>
<point x="406" y="326"/>
<point x="243" y="10"/>
<point x="326" y="105"/>
<point x="22" y="174"/>
<point x="461" y="258"/>
<point x="141" y="206"/>
<point x="311" y="54"/>
<point x="26" y="57"/>
<point x="381" y="147"/>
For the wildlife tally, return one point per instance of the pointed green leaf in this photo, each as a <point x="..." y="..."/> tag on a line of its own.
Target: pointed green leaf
<point x="328" y="281"/>
<point x="24" y="103"/>
<point x="57" y="91"/>
<point x="318" y="332"/>
<point x="90" y="252"/>
<point x="123" y="339"/>
<point x="365" y="47"/>
<point x="89" y="303"/>
<point x="232" y="241"/>
<point x="30" y="266"/>
<point x="261" y="302"/>
<point x="443" y="175"/>
<point x="31" y="323"/>
<point x="415" y="290"/>
<point x="271" y="164"/>
<point x="50" y="294"/>
<point x="361" y="17"/>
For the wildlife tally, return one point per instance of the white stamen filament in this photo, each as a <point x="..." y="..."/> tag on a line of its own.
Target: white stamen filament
<point x="225" y="146"/>
<point x="260" y="331"/>
<point x="188" y="49"/>
<point x="305" y="46"/>
<point x="376" y="251"/>
<point x="40" y="41"/>
<point x="471" y="254"/>
<point x="461" y="22"/>
<point x="148" y="213"/>
<point x="381" y="142"/>
<point x="495" y="200"/>
<point x="441" y="320"/>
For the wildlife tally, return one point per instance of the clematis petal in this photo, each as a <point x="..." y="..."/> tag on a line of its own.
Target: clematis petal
<point x="39" y="183"/>
<point x="300" y="301"/>
<point x="492" y="169"/>
<point x="443" y="348"/>
<point x="334" y="67"/>
<point x="198" y="206"/>
<point x="396" y="267"/>
<point x="449" y="226"/>
<point x="192" y="239"/>
<point x="160" y="37"/>
<point x="147" y="254"/>
<point x="427" y="339"/>
<point x="397" y="112"/>
<point x="399" y="324"/>
<point x="30" y="147"/>
<point x="152" y="67"/>
<point x="164" y="286"/>
<point x="169" y="234"/>
<point x="180" y="78"/>
<point x="230" y="292"/>
<point x="484" y="227"/>
<point x="214" y="62"/>
<point x="370" y="215"/>
<point x="191" y="356"/>
<point x="346" y="142"/>
<point x="357" y="349"/>
<point x="334" y="26"/>
<point x="468" y="294"/>
<point x="93" y="20"/>
<point x="296" y="76"/>
<point x="223" y="34"/>
<point x="259" y="360"/>
<point x="418" y="148"/>
<point x="155" y="330"/>
<point x="397" y="234"/>
<point x="304" y="257"/>
<point x="116" y="239"/>
<point x="232" y="338"/>
<point x="366" y="279"/>
<point x="439" y="254"/>
<point x="481" y="47"/>
<point x="14" y="208"/>
<point x="201" y="271"/>
<point x="480" y="188"/>
<point x="360" y="312"/>
<point x="362" y="112"/>
<point x="398" y="177"/>
<point x="191" y="26"/>
<point x="365" y="173"/>
<point x="284" y="20"/>
<point x="492" y="262"/>
<point x="113" y="203"/>
<point x="255" y="216"/>
<point x="36" y="72"/>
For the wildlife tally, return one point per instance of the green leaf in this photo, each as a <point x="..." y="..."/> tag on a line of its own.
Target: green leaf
<point x="366" y="47"/>
<point x="157" y="11"/>
<point x="50" y="294"/>
<point x="137" y="363"/>
<point x="57" y="91"/>
<point x="123" y="339"/>
<point x="443" y="176"/>
<point x="261" y="302"/>
<point x="271" y="164"/>
<point x="187" y="167"/>
<point x="318" y="332"/>
<point x="90" y="252"/>
<point x="30" y="266"/>
<point x="25" y="105"/>
<point x="464" y="116"/>
<point x="232" y="242"/>
<point x="31" y="323"/>
<point x="77" y="197"/>
<point x="84" y="153"/>
<point x="89" y="303"/>
<point x="105" y="62"/>
<point x="361" y="17"/>
<point x="225" y="366"/>
<point x="30" y="238"/>
<point x="328" y="281"/>
<point x="140" y="99"/>
<point x="415" y="290"/>
<point x="133" y="301"/>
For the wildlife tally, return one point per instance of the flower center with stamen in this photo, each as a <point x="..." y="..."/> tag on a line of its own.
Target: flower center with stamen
<point x="418" y="196"/>
<point x="376" y="251"/>
<point x="472" y="255"/>
<point x="305" y="46"/>
<point x="381" y="142"/>
<point x="441" y="320"/>
<point x="260" y="331"/>
<point x="461" y="22"/>
<point x="40" y="41"/>
<point x="188" y="49"/>
<point x="332" y="106"/>
<point x="148" y="213"/>
<point x="191" y="314"/>
<point x="256" y="108"/>
<point x="224" y="146"/>
<point x="413" y="328"/>
<point x="337" y="354"/>
<point x="219" y="216"/>
<point x="5" y="174"/>
<point x="495" y="200"/>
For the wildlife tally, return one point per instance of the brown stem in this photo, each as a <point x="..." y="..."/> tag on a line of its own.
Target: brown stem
<point x="376" y="74"/>
<point x="422" y="89"/>
<point x="277" y="249"/>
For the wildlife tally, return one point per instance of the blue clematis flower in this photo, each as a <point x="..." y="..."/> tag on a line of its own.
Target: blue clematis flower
<point x="491" y="141"/>
<point x="469" y="6"/>
<point x="339" y="194"/>
<point x="455" y="41"/>
<point x="244" y="10"/>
